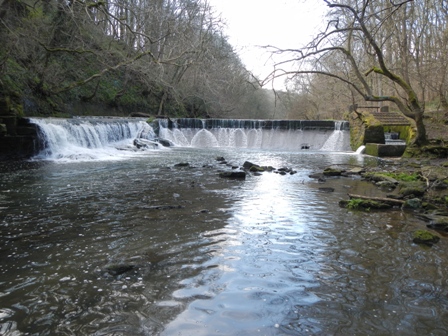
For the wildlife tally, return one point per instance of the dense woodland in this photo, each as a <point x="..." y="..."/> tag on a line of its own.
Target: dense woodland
<point x="161" y="57"/>
<point x="172" y="57"/>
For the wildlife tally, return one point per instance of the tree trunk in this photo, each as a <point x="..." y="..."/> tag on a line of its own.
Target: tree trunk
<point x="443" y="101"/>
<point x="162" y="103"/>
<point x="421" y="138"/>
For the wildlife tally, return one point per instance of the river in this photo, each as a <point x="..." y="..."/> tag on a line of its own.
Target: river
<point x="98" y="238"/>
<point x="145" y="246"/>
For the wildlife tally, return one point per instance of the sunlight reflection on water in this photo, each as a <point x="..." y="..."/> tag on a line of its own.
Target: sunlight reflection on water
<point x="142" y="247"/>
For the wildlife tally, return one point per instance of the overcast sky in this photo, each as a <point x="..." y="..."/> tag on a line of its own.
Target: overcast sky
<point x="281" y="23"/>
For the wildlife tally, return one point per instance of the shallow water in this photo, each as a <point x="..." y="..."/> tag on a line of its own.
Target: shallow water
<point x="142" y="247"/>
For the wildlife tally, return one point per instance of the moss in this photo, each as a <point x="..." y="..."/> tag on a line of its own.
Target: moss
<point x="406" y="177"/>
<point x="362" y="204"/>
<point x="425" y="237"/>
<point x="256" y="168"/>
<point x="406" y="133"/>
<point x="332" y="172"/>
<point x="414" y="188"/>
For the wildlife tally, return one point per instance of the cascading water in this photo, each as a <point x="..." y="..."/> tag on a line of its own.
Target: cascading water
<point x="257" y="134"/>
<point x="88" y="138"/>
<point x="115" y="138"/>
<point x="338" y="137"/>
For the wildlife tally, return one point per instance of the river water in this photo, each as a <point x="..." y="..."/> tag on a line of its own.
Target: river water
<point x="143" y="247"/>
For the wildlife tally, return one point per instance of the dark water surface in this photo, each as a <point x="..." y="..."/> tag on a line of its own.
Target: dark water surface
<point x="141" y="247"/>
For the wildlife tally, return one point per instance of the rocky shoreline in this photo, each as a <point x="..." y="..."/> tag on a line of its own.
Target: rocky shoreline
<point x="418" y="184"/>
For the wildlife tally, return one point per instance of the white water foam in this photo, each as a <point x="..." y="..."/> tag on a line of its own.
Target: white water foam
<point x="90" y="139"/>
<point x="360" y="149"/>
<point x="258" y="138"/>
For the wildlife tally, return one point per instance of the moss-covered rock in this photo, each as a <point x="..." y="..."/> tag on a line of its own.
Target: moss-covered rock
<point x="412" y="189"/>
<point x="425" y="237"/>
<point x="364" y="204"/>
<point x="332" y="172"/>
<point x="413" y="203"/>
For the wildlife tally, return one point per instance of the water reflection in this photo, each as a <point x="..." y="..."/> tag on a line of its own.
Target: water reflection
<point x="143" y="247"/>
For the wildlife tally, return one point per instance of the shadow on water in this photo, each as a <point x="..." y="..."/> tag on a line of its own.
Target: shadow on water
<point x="145" y="247"/>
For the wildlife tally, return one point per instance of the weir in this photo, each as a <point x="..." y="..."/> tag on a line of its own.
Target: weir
<point x="89" y="137"/>
<point x="288" y="135"/>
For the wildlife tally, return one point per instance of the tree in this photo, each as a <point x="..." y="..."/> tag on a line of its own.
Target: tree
<point x="356" y="49"/>
<point x="166" y="57"/>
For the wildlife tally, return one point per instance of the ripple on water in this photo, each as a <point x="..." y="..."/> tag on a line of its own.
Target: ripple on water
<point x="202" y="255"/>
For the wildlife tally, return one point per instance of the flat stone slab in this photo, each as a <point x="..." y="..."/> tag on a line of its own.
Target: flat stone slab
<point x="384" y="150"/>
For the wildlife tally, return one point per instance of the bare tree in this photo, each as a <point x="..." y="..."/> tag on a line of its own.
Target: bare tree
<point x="355" y="49"/>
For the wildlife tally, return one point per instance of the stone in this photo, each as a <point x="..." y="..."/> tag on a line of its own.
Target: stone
<point x="165" y="143"/>
<point x="384" y="150"/>
<point x="439" y="223"/>
<point x="425" y="237"/>
<point x="143" y="143"/>
<point x="248" y="164"/>
<point x="414" y="189"/>
<point x="233" y="175"/>
<point x="328" y="189"/>
<point x="413" y="203"/>
<point x="182" y="164"/>
<point x="332" y="172"/>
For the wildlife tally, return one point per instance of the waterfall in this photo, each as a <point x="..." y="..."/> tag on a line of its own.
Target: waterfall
<point x="287" y="135"/>
<point x="88" y="138"/>
<point x="95" y="138"/>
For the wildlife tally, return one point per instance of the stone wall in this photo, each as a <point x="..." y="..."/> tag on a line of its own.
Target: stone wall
<point x="364" y="128"/>
<point x="18" y="138"/>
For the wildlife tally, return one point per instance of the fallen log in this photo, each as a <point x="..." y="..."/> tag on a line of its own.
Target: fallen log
<point x="378" y="199"/>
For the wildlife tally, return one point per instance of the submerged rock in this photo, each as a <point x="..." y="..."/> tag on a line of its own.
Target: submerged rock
<point x="425" y="237"/>
<point x="233" y="175"/>
<point x="326" y="189"/>
<point x="120" y="269"/>
<point x="182" y="164"/>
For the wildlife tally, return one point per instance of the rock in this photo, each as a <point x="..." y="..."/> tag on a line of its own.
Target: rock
<point x="332" y="172"/>
<point x="439" y="223"/>
<point x="164" y="207"/>
<point x="425" y="237"/>
<point x="386" y="185"/>
<point x="256" y="168"/>
<point x="233" y="175"/>
<point x="435" y="173"/>
<point x="165" y="143"/>
<point x="414" y="189"/>
<point x="329" y="189"/>
<point x="248" y="164"/>
<point x="143" y="143"/>
<point x="182" y="164"/>
<point x="355" y="171"/>
<point x="379" y="177"/>
<point x="364" y="204"/>
<point x="413" y="203"/>
<point x="120" y="269"/>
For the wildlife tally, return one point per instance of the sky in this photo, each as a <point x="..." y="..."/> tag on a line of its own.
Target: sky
<point x="280" y="23"/>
